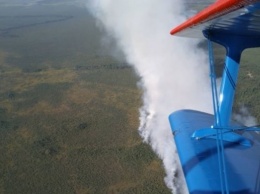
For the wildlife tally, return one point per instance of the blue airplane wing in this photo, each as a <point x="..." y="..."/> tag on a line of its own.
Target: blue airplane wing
<point x="216" y="154"/>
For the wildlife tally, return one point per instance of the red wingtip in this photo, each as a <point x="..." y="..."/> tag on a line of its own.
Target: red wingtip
<point x="219" y="8"/>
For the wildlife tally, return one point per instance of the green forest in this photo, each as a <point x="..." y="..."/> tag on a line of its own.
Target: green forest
<point x="68" y="112"/>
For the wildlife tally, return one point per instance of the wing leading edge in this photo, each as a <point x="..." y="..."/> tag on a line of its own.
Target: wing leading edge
<point x="240" y="17"/>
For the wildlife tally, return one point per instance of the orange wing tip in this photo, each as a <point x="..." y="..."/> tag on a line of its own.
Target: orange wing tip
<point x="217" y="9"/>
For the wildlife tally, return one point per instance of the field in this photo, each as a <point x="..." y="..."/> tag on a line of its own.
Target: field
<point x="68" y="112"/>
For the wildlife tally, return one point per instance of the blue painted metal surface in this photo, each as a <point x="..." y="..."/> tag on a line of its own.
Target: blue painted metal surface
<point x="234" y="45"/>
<point x="228" y="135"/>
<point x="199" y="158"/>
<point x="227" y="90"/>
<point x="197" y="133"/>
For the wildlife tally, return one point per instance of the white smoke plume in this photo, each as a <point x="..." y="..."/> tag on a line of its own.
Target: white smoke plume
<point x="173" y="70"/>
<point x="244" y="117"/>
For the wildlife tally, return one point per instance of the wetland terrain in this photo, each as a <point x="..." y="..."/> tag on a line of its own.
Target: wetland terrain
<point x="68" y="112"/>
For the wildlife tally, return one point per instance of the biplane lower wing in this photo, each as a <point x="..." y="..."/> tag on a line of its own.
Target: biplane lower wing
<point x="216" y="154"/>
<point x="200" y="162"/>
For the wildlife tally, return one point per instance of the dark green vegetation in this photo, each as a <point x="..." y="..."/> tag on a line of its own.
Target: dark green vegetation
<point x="248" y="93"/>
<point x="68" y="113"/>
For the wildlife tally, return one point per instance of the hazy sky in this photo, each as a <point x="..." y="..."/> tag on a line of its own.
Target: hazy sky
<point x="40" y="2"/>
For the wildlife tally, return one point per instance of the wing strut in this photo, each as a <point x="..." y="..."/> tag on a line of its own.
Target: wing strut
<point x="222" y="103"/>
<point x="217" y="124"/>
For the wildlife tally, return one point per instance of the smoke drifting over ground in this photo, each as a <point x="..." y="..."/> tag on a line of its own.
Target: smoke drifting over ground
<point x="173" y="71"/>
<point x="243" y="116"/>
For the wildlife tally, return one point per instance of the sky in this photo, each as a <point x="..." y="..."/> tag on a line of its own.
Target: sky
<point x="40" y="2"/>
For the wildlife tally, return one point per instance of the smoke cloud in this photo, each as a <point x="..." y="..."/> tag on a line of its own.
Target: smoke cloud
<point x="173" y="70"/>
<point x="244" y="117"/>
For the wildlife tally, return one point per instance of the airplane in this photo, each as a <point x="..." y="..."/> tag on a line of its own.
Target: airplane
<point x="218" y="155"/>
